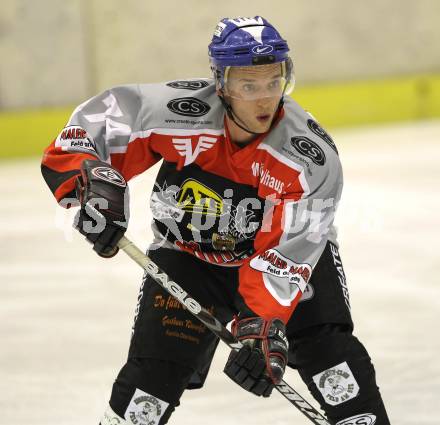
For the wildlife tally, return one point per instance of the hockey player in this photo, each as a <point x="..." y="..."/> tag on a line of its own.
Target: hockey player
<point x="243" y="208"/>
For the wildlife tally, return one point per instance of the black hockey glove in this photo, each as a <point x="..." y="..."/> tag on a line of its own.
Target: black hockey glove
<point x="261" y="362"/>
<point x="101" y="190"/>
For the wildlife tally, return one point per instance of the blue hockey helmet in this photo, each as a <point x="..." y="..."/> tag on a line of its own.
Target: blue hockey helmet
<point x="248" y="42"/>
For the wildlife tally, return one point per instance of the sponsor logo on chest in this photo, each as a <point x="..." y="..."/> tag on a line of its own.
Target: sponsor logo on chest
<point x="196" y="197"/>
<point x="188" y="106"/>
<point x="266" y="179"/>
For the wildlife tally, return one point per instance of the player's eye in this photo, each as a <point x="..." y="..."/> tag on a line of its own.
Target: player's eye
<point x="249" y="88"/>
<point x="274" y="85"/>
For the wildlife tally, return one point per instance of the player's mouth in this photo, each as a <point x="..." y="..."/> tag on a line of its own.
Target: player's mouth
<point x="263" y="118"/>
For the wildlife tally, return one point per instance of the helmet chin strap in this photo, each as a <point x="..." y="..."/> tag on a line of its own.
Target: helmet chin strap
<point x="233" y="116"/>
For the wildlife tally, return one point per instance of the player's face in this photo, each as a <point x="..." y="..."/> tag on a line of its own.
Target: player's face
<point x="254" y="93"/>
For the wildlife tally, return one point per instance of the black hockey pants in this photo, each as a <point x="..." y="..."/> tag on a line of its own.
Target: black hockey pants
<point x="170" y="351"/>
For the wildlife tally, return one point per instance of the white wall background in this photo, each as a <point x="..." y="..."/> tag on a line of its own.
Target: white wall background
<point x="61" y="52"/>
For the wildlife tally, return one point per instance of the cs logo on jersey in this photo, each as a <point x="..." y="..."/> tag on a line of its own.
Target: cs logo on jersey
<point x="188" y="106"/>
<point x="320" y="132"/>
<point x="188" y="84"/>
<point x="308" y="148"/>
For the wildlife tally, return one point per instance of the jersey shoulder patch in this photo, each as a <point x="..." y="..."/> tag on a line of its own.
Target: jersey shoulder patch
<point x="301" y="141"/>
<point x="182" y="104"/>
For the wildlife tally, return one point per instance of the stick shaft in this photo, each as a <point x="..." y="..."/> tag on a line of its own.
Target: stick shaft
<point x="212" y="323"/>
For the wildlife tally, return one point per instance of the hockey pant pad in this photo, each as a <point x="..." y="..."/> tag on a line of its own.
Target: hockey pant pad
<point x="338" y="372"/>
<point x="148" y="389"/>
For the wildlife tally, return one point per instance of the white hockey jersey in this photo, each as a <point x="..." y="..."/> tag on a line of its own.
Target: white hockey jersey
<point x="267" y="208"/>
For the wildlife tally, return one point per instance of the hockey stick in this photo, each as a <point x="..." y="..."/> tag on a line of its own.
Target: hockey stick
<point x="211" y="323"/>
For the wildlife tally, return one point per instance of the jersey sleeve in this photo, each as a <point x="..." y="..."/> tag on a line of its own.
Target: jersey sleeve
<point x="290" y="242"/>
<point x="107" y="127"/>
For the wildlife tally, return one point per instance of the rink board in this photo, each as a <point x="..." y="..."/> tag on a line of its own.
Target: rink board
<point x="348" y="103"/>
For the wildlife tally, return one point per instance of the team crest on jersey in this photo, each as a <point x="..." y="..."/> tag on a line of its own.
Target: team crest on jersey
<point x="184" y="147"/>
<point x="145" y="409"/>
